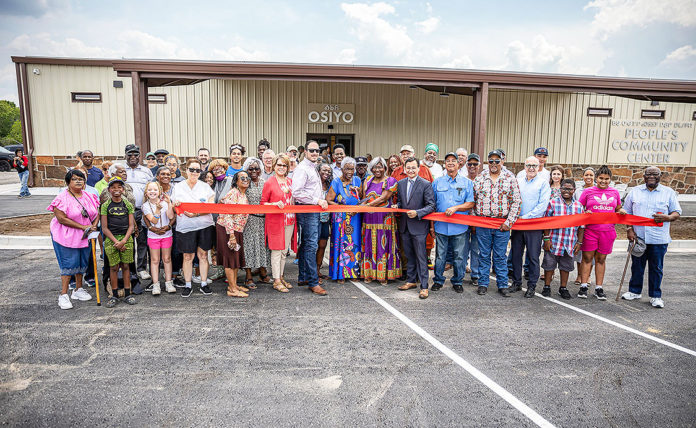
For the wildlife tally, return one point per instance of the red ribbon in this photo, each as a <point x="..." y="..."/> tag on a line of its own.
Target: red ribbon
<point x="556" y="222"/>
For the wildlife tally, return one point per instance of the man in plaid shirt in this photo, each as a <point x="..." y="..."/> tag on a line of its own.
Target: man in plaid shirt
<point x="497" y="195"/>
<point x="561" y="244"/>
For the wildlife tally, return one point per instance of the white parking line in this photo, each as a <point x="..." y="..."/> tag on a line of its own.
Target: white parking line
<point x="499" y="390"/>
<point x="616" y="324"/>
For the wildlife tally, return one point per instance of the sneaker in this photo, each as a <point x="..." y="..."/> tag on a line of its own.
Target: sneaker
<point x="72" y="285"/>
<point x="130" y="299"/>
<point x="582" y="293"/>
<point x="178" y="283"/>
<point x="564" y="293"/>
<point x="111" y="302"/>
<point x="599" y="293"/>
<point x="546" y="292"/>
<point x="515" y="287"/>
<point x="91" y="283"/>
<point x="657" y="302"/>
<point x="631" y="296"/>
<point x="149" y="287"/>
<point x="28" y="196"/>
<point x="504" y="291"/>
<point x="64" y="302"/>
<point x="458" y="288"/>
<point x="169" y="286"/>
<point x="206" y="290"/>
<point x="436" y="287"/>
<point x="196" y="279"/>
<point x="474" y="282"/>
<point x="143" y="275"/>
<point x="20" y="196"/>
<point x="80" y="294"/>
<point x="481" y="290"/>
<point x="156" y="291"/>
<point x="186" y="291"/>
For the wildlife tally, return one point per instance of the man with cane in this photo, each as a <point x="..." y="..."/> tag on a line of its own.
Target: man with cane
<point x="651" y="199"/>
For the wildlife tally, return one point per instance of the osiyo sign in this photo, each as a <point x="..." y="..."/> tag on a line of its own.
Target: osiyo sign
<point x="331" y="113"/>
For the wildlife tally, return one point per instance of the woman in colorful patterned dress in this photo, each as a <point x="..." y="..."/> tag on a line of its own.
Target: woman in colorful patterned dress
<point x="381" y="259"/>
<point x="256" y="255"/>
<point x="345" y="253"/>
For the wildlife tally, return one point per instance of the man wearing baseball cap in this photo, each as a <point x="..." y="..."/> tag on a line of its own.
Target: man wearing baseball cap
<point x="405" y="153"/>
<point x="430" y="160"/>
<point x="361" y="168"/>
<point x="137" y="177"/>
<point x="497" y="195"/>
<point x="453" y="194"/>
<point x="542" y="154"/>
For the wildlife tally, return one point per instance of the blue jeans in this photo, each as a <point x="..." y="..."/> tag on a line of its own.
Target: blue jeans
<point x="23" y="178"/>
<point x="459" y="245"/>
<point x="654" y="255"/>
<point x="473" y="253"/>
<point x="492" y="241"/>
<point x="307" y="252"/>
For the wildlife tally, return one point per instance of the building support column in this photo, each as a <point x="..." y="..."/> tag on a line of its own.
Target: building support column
<point x="479" y="116"/>
<point x="25" y="117"/>
<point x="141" y="113"/>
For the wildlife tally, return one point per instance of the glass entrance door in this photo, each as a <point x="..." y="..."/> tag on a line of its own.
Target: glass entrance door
<point x="330" y="140"/>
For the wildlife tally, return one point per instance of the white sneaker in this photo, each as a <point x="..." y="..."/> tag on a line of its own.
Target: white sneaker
<point x="196" y="279"/>
<point x="156" y="291"/>
<point x="144" y="275"/>
<point x="64" y="302"/>
<point x="631" y="296"/>
<point x="80" y="294"/>
<point x="657" y="302"/>
<point x="169" y="286"/>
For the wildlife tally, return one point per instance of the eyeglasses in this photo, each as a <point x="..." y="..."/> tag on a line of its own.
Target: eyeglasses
<point x="495" y="161"/>
<point x="472" y="164"/>
<point x="196" y="170"/>
<point x="313" y="150"/>
<point x="282" y="164"/>
<point x="652" y="174"/>
<point x="245" y="178"/>
<point x="531" y="166"/>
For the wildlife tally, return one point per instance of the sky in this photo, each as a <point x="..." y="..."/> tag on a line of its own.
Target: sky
<point x="631" y="38"/>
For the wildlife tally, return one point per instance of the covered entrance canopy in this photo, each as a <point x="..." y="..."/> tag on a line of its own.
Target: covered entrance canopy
<point x="145" y="74"/>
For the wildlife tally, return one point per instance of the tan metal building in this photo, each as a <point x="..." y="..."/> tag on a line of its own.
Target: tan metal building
<point x="71" y="104"/>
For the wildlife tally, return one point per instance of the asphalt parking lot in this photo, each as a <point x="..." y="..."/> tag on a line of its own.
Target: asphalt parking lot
<point x="343" y="360"/>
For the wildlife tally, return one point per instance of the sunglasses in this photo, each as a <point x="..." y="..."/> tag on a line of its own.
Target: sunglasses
<point x="495" y="161"/>
<point x="244" y="178"/>
<point x="254" y="169"/>
<point x="530" y="166"/>
<point x="313" y="150"/>
<point x="282" y="164"/>
<point x="196" y="170"/>
<point x="472" y="164"/>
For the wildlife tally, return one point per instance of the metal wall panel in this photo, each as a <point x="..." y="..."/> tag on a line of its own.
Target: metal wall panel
<point x="62" y="127"/>
<point x="520" y="121"/>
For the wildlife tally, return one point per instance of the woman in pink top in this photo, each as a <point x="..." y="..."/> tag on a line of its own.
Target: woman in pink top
<point x="76" y="215"/>
<point x="599" y="238"/>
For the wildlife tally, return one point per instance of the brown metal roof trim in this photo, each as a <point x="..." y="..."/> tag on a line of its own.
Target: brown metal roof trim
<point x="168" y="69"/>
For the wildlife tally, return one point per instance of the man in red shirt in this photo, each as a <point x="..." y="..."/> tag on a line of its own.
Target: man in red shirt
<point x="21" y="164"/>
<point x="405" y="153"/>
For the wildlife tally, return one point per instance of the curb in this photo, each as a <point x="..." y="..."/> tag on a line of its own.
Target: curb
<point x="15" y="242"/>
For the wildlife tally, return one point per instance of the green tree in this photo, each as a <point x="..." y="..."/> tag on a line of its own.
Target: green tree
<point x="9" y="113"/>
<point x="16" y="132"/>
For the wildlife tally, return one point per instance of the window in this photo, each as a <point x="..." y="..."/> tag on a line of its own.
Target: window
<point x="652" y="114"/>
<point x="693" y="117"/>
<point x="599" y="111"/>
<point x="86" y="97"/>
<point x="157" y="98"/>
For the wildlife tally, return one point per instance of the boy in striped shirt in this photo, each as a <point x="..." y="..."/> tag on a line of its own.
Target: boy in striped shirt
<point x="561" y="244"/>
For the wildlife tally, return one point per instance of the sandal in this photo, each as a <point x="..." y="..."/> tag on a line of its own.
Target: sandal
<point x="322" y="276"/>
<point x="237" y="294"/>
<point x="341" y="281"/>
<point x="249" y="283"/>
<point x="266" y="280"/>
<point x="285" y="283"/>
<point x="280" y="287"/>
<point x="367" y="280"/>
<point x="243" y="288"/>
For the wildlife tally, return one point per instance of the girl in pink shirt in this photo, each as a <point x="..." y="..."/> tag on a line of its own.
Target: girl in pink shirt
<point x="599" y="238"/>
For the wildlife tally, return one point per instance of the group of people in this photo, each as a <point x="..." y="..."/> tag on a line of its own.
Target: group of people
<point x="133" y="207"/>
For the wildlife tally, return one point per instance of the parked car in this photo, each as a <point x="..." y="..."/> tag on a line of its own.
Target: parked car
<point x="6" y="158"/>
<point x="13" y="147"/>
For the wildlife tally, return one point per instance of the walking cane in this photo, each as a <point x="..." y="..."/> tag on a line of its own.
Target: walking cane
<point x="628" y="257"/>
<point x="96" y="276"/>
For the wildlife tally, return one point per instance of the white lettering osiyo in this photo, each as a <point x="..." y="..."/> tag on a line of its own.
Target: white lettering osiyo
<point x="330" y="117"/>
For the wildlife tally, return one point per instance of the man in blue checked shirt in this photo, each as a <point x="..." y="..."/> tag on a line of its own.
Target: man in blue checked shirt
<point x="659" y="202"/>
<point x="453" y="193"/>
<point x="535" y="192"/>
<point x="560" y="245"/>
